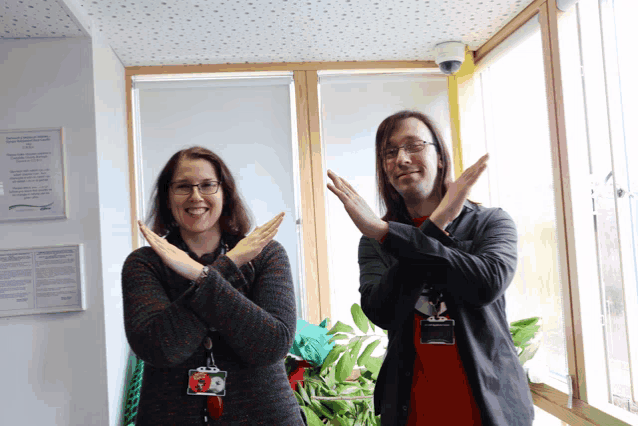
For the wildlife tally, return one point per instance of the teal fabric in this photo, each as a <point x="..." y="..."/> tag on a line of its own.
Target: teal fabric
<point x="311" y="342"/>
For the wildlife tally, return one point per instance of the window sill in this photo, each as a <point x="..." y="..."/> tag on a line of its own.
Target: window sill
<point x="581" y="414"/>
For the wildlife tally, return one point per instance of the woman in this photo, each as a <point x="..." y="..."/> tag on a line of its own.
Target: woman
<point x="209" y="297"/>
<point x="434" y="271"/>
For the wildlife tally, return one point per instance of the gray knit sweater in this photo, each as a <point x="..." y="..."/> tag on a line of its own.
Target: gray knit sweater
<point x="254" y="314"/>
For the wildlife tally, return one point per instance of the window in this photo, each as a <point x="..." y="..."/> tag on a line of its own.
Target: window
<point x="248" y="121"/>
<point x="600" y="101"/>
<point x="352" y="107"/>
<point x="508" y="118"/>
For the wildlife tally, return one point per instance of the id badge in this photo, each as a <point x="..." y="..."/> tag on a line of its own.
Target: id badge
<point x="207" y="382"/>
<point x="437" y="331"/>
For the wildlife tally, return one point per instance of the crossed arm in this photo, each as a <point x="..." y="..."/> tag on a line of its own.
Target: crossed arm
<point x="166" y="333"/>
<point x="474" y="272"/>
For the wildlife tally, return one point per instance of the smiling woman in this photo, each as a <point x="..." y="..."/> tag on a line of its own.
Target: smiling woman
<point x="208" y="300"/>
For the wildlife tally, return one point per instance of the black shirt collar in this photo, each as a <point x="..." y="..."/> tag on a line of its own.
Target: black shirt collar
<point x="174" y="237"/>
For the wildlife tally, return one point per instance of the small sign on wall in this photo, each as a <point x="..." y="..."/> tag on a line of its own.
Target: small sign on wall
<point x="32" y="178"/>
<point x="42" y="280"/>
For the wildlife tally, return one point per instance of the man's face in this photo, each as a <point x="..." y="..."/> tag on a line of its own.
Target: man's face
<point x="413" y="175"/>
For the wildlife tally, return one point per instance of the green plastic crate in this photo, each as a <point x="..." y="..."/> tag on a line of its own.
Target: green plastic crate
<point x="133" y="393"/>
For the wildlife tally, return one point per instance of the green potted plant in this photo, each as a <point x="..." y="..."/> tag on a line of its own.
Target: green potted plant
<point x="523" y="334"/>
<point x="333" y="395"/>
<point x="310" y="348"/>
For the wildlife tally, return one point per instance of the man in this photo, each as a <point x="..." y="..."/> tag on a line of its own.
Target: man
<point x="433" y="272"/>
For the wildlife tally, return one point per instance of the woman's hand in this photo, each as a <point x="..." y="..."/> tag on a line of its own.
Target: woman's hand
<point x="361" y="214"/>
<point x="248" y="248"/>
<point x="176" y="259"/>
<point x="452" y="204"/>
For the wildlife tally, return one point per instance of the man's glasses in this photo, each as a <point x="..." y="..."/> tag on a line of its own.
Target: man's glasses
<point x="206" y="188"/>
<point x="411" y="148"/>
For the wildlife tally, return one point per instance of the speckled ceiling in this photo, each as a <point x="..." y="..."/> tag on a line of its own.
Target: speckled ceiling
<point x="150" y="32"/>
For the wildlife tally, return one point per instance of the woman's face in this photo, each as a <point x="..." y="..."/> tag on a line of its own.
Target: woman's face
<point x="195" y="213"/>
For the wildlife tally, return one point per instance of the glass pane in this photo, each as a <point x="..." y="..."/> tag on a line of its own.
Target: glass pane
<point x="352" y="107"/>
<point x="249" y="124"/>
<point x="622" y="95"/>
<point x="520" y="179"/>
<point x="600" y="179"/>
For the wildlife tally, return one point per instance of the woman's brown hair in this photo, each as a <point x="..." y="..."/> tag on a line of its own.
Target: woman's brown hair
<point x="396" y="209"/>
<point x="234" y="219"/>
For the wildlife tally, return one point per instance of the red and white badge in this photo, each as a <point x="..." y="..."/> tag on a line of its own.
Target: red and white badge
<point x="199" y="381"/>
<point x="207" y="382"/>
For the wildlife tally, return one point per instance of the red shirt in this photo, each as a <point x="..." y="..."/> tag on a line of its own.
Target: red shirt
<point x="441" y="393"/>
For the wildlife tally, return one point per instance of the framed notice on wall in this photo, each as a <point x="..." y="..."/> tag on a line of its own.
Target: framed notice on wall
<point x="32" y="177"/>
<point x="42" y="280"/>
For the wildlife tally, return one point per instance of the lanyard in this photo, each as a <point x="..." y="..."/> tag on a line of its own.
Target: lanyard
<point x="436" y="299"/>
<point x="216" y="382"/>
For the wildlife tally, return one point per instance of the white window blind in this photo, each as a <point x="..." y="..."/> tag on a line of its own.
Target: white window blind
<point x="249" y="122"/>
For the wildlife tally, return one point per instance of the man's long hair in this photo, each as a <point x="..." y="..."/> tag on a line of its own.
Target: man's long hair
<point x="396" y="210"/>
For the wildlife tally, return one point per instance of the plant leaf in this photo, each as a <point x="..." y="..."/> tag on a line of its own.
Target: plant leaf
<point x="525" y="322"/>
<point x="336" y="407"/>
<point x="374" y="365"/>
<point x="332" y="377"/>
<point x="333" y="355"/>
<point x="348" y="388"/>
<point x="340" y="327"/>
<point x="320" y="408"/>
<point x="371" y="324"/>
<point x="311" y="389"/>
<point x="525" y="335"/>
<point x="304" y="395"/>
<point x="367" y="374"/>
<point x="528" y="353"/>
<point x="355" y="350"/>
<point x="367" y="352"/>
<point x="339" y="421"/>
<point x="299" y="398"/>
<point x="344" y="367"/>
<point x="313" y="419"/>
<point x="338" y="337"/>
<point x="360" y="319"/>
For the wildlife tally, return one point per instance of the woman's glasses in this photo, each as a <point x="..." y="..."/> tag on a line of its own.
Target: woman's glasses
<point x="206" y="188"/>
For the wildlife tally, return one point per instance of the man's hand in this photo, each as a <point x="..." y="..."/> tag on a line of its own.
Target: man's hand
<point x="361" y="214"/>
<point x="452" y="204"/>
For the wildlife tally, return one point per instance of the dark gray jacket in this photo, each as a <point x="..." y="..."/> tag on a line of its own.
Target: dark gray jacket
<point x="473" y="267"/>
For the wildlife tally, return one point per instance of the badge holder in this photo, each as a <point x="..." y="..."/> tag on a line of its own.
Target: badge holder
<point x="437" y="330"/>
<point x="209" y="381"/>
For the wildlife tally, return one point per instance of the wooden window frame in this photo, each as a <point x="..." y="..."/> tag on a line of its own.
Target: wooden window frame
<point x="313" y="193"/>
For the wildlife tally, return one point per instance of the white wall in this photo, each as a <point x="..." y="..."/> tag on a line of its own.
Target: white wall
<point x="54" y="366"/>
<point x="115" y="214"/>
